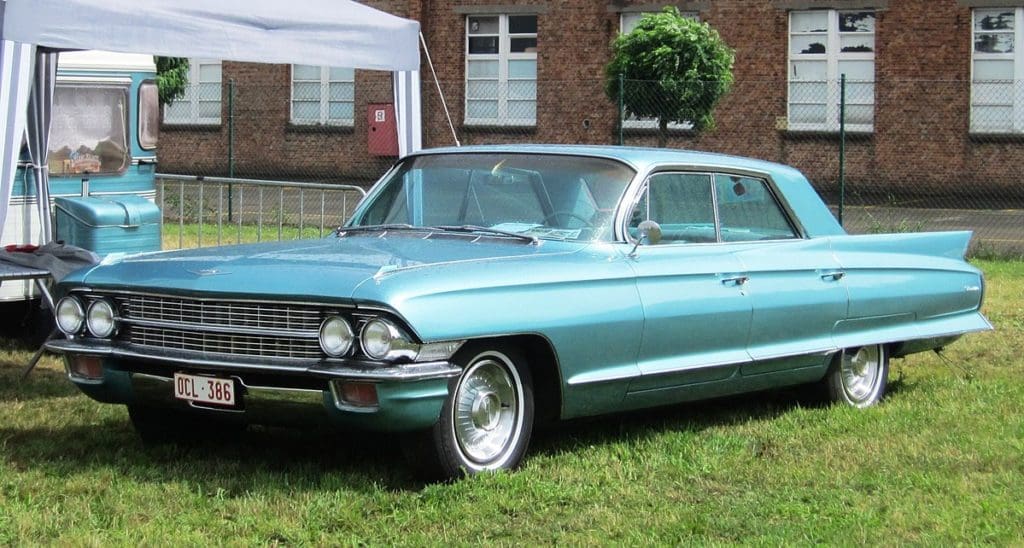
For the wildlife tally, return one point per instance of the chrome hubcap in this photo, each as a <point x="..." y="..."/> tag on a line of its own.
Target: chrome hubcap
<point x="487" y="413"/>
<point x="862" y="373"/>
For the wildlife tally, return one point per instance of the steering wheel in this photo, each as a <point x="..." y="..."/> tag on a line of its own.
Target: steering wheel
<point x="554" y="214"/>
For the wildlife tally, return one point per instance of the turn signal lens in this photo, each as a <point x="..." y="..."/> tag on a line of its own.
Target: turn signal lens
<point x="70" y="315"/>
<point x="100" y="319"/>
<point x="336" y="336"/>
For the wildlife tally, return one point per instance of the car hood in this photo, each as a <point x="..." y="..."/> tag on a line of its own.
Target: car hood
<point x="328" y="268"/>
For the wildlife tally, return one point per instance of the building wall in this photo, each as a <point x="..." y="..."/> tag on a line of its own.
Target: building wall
<point x="920" y="144"/>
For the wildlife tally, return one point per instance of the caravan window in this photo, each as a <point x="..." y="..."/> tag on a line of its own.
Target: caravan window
<point x="89" y="133"/>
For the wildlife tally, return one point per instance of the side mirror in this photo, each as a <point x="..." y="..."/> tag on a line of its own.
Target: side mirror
<point x="648" y="233"/>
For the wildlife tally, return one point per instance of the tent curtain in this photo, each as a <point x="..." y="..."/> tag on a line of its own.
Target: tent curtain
<point x="40" y="113"/>
<point x="408" y="111"/>
<point x="16" y="75"/>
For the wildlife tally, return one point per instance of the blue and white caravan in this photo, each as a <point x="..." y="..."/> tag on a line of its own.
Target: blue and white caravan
<point x="102" y="143"/>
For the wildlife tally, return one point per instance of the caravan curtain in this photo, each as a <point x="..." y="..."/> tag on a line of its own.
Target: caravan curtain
<point x="16" y="78"/>
<point x="40" y="112"/>
<point x="407" y="111"/>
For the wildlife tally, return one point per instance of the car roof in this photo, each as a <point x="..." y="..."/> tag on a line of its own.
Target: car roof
<point x="638" y="157"/>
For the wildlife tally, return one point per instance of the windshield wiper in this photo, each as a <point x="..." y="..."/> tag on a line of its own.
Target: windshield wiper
<point x="378" y="228"/>
<point x="486" y="230"/>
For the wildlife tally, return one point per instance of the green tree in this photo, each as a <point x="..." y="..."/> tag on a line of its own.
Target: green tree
<point x="171" y="78"/>
<point x="672" y="68"/>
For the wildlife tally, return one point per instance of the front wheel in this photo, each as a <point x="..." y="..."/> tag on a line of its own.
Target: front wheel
<point x="486" y="421"/>
<point x="858" y="376"/>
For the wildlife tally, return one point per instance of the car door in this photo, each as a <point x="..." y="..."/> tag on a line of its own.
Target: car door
<point x="795" y="285"/>
<point x="696" y="313"/>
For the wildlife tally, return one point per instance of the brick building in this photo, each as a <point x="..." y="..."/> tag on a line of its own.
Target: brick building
<point x="931" y="103"/>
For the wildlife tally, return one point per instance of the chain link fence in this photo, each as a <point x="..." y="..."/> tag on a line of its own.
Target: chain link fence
<point x="909" y="155"/>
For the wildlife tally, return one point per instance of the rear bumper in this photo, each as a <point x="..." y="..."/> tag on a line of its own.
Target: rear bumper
<point x="409" y="396"/>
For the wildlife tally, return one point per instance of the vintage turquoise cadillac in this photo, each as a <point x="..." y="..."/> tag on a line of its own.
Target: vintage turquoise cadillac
<point x="478" y="290"/>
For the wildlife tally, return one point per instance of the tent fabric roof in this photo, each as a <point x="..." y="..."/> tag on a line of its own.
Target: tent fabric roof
<point x="340" y="33"/>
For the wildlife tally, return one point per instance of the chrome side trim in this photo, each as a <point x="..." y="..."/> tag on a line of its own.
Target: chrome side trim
<point x="371" y="372"/>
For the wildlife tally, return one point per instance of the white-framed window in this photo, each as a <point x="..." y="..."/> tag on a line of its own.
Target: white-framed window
<point x="501" y="70"/>
<point x="997" y="96"/>
<point x="627" y="22"/>
<point x="823" y="46"/>
<point x="323" y="95"/>
<point x="201" y="102"/>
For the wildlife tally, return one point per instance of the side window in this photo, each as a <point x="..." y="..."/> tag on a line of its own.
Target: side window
<point x="748" y="211"/>
<point x="682" y="204"/>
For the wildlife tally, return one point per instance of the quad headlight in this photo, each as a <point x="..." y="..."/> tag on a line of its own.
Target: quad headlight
<point x="70" y="315"/>
<point x="100" y="319"/>
<point x="383" y="340"/>
<point x="336" y="336"/>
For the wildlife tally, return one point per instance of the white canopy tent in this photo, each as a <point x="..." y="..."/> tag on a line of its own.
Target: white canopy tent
<point x="340" y="33"/>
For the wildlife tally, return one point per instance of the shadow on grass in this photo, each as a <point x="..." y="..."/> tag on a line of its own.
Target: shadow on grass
<point x="43" y="382"/>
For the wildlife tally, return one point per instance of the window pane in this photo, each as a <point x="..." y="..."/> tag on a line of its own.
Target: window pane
<point x="483" y="25"/>
<point x="209" y="109"/>
<point x="630" y="21"/>
<point x="305" y="110"/>
<point x="800" y="92"/>
<point x="807" y="114"/>
<point x="1000" y="93"/>
<point x="856" y="43"/>
<point x="521" y="45"/>
<point x="522" y="24"/>
<point x="522" y="110"/>
<point x="748" y="211"/>
<point x="341" y="111"/>
<point x="809" y="21"/>
<point x="856" y="21"/>
<point x="482" y="89"/>
<point x="682" y="205"/>
<point x="342" y="74"/>
<point x="481" y="109"/>
<point x="993" y="70"/>
<point x="483" y="44"/>
<point x="858" y="70"/>
<point x="208" y="92"/>
<point x="522" y="68"/>
<point x="305" y="72"/>
<point x="860" y="93"/>
<point x="342" y="91"/>
<point x="993" y="20"/>
<point x="807" y="44"/>
<point x="149" y="114"/>
<point x="860" y="114"/>
<point x="522" y="89"/>
<point x="87" y="132"/>
<point x="306" y="91"/>
<point x="209" y="72"/>
<point x="993" y="43"/>
<point x="482" y="69"/>
<point x="176" y="112"/>
<point x="809" y="70"/>
<point x="992" y="118"/>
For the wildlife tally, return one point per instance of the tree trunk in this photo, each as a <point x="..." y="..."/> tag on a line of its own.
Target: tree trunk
<point x="662" y="132"/>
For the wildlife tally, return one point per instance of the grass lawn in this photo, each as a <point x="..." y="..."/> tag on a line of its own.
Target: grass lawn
<point x="941" y="461"/>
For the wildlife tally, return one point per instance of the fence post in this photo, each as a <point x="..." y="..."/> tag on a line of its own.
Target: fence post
<point x="231" y="143"/>
<point x="622" y="107"/>
<point x="842" y="146"/>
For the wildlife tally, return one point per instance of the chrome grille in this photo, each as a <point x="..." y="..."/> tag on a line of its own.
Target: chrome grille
<point x="237" y="345"/>
<point x="231" y="314"/>
<point x="238" y="328"/>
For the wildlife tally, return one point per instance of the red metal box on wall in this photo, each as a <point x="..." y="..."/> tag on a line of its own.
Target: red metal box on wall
<point x="382" y="135"/>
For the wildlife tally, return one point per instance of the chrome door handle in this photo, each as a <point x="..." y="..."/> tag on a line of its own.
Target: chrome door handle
<point x="736" y="280"/>
<point x="834" y="276"/>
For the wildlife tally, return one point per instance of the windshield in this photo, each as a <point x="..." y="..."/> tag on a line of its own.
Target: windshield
<point x="88" y="133"/>
<point x="539" y="195"/>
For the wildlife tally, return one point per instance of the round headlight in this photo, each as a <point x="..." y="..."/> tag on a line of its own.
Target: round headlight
<point x="336" y="336"/>
<point x="100" y="319"/>
<point x="70" y="315"/>
<point x="377" y="337"/>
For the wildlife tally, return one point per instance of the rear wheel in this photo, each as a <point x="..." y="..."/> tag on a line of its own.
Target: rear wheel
<point x="486" y="421"/>
<point x="858" y="376"/>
